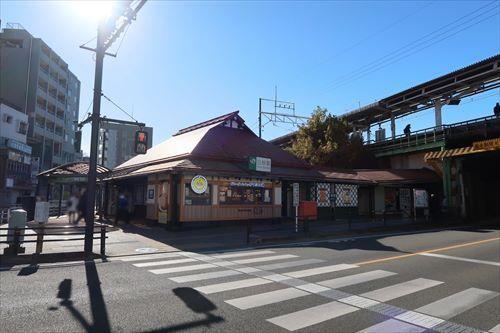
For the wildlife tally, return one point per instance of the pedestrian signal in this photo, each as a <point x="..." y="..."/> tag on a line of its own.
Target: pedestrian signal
<point x="141" y="142"/>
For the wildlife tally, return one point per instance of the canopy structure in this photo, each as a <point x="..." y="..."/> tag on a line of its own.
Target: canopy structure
<point x="73" y="170"/>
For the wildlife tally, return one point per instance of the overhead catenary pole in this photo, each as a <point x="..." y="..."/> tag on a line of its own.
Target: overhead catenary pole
<point x="260" y="117"/>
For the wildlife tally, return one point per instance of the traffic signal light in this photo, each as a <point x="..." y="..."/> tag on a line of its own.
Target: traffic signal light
<point x="141" y="142"/>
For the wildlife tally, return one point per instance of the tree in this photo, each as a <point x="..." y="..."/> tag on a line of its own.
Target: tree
<point x="326" y="141"/>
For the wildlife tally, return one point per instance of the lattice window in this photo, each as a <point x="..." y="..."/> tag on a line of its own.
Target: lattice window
<point x="323" y="194"/>
<point x="346" y="195"/>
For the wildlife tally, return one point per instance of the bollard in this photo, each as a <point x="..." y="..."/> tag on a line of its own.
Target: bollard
<point x="39" y="240"/>
<point x="103" y="240"/>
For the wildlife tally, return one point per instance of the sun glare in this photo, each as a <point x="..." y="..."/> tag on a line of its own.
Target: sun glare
<point x="93" y="9"/>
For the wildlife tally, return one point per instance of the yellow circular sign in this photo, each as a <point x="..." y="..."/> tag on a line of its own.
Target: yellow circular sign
<point x="199" y="184"/>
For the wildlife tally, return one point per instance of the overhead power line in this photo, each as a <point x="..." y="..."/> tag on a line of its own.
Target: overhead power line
<point x="119" y="107"/>
<point x="417" y="45"/>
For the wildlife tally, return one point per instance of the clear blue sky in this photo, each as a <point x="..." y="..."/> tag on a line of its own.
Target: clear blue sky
<point x="184" y="62"/>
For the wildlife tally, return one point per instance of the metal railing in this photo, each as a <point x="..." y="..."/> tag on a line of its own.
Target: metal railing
<point x="40" y="232"/>
<point x="430" y="134"/>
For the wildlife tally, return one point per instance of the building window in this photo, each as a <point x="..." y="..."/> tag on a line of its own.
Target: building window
<point x="242" y="193"/>
<point x="22" y="128"/>
<point x="7" y="118"/>
<point x="191" y="198"/>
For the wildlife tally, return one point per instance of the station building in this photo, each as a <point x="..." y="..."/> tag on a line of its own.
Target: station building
<point x="219" y="170"/>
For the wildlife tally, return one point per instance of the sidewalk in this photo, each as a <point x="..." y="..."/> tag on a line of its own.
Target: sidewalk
<point x="141" y="237"/>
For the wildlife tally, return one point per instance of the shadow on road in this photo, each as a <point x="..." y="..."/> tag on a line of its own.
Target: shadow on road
<point x="197" y="303"/>
<point x="97" y="303"/>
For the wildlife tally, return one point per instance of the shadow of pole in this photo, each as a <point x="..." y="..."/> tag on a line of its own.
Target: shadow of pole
<point x="97" y="304"/>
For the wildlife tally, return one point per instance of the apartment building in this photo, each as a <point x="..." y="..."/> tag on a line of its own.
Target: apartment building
<point x="37" y="81"/>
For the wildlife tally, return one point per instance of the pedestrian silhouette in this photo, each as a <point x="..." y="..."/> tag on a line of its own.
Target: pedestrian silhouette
<point x="407" y="130"/>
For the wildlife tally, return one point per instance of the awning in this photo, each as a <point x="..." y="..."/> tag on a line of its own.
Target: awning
<point x="477" y="147"/>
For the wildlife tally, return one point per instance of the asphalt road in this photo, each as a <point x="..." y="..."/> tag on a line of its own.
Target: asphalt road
<point x="378" y="284"/>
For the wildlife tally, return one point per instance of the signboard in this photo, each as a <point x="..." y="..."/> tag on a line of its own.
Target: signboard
<point x="247" y="184"/>
<point x="199" y="184"/>
<point x="150" y="194"/>
<point x="486" y="144"/>
<point x="421" y="198"/>
<point x="296" y="194"/>
<point x="14" y="144"/>
<point x="405" y="199"/>
<point x="9" y="182"/>
<point x="42" y="211"/>
<point x="257" y="163"/>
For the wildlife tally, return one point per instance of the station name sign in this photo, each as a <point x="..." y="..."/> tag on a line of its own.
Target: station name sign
<point x="257" y="163"/>
<point x="246" y="184"/>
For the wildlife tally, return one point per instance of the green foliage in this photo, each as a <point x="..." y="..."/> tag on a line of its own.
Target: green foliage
<point x="325" y="140"/>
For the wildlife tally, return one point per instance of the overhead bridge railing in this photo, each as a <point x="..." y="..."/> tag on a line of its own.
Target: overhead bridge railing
<point x="433" y="134"/>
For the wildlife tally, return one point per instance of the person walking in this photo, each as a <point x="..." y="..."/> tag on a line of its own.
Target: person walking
<point x="123" y="212"/>
<point x="496" y="110"/>
<point x="82" y="206"/>
<point x="407" y="130"/>
<point x="72" y="207"/>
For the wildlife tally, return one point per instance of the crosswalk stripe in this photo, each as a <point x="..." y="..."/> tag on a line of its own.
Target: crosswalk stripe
<point x="400" y="289"/>
<point x="476" y="261"/>
<point x="271" y="297"/>
<point x="311" y="316"/>
<point x="319" y="270"/>
<point x="225" y="286"/>
<point x="355" y="279"/>
<point x="204" y="276"/>
<point x="455" y="304"/>
<point x="393" y="326"/>
<point x="148" y="256"/>
<point x="181" y="269"/>
<point x="288" y="264"/>
<point x="164" y="262"/>
<point x="358" y="301"/>
<point x="242" y="254"/>
<point x="261" y="259"/>
<point x="495" y="329"/>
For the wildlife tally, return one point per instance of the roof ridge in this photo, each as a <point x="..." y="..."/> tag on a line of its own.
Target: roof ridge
<point x="206" y="123"/>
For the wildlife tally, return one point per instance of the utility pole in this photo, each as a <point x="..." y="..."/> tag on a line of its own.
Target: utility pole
<point x="260" y="117"/>
<point x="105" y="38"/>
<point x="96" y="114"/>
<point x="103" y="159"/>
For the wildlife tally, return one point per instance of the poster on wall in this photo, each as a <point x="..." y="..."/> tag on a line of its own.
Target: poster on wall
<point x="150" y="194"/>
<point x="323" y="194"/>
<point x="346" y="195"/>
<point x="421" y="199"/>
<point x="405" y="199"/>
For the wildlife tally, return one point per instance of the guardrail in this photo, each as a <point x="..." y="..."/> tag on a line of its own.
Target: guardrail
<point x="42" y="231"/>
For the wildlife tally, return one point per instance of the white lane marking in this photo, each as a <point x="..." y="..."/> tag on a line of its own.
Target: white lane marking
<point x="181" y="269"/>
<point x="419" y="319"/>
<point x="311" y="316"/>
<point x="241" y="254"/>
<point x="147" y="256"/>
<point x="277" y="277"/>
<point x="455" y="304"/>
<point x="312" y="288"/>
<point x="493" y="263"/>
<point x="400" y="289"/>
<point x="261" y="259"/>
<point x="272" y="297"/>
<point x="319" y="270"/>
<point x="248" y="270"/>
<point x="215" y="288"/>
<point x="358" y="301"/>
<point x="495" y="329"/>
<point x="164" y="262"/>
<point x="270" y="267"/>
<point x="355" y="279"/>
<point x="204" y="276"/>
<point x="393" y="326"/>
